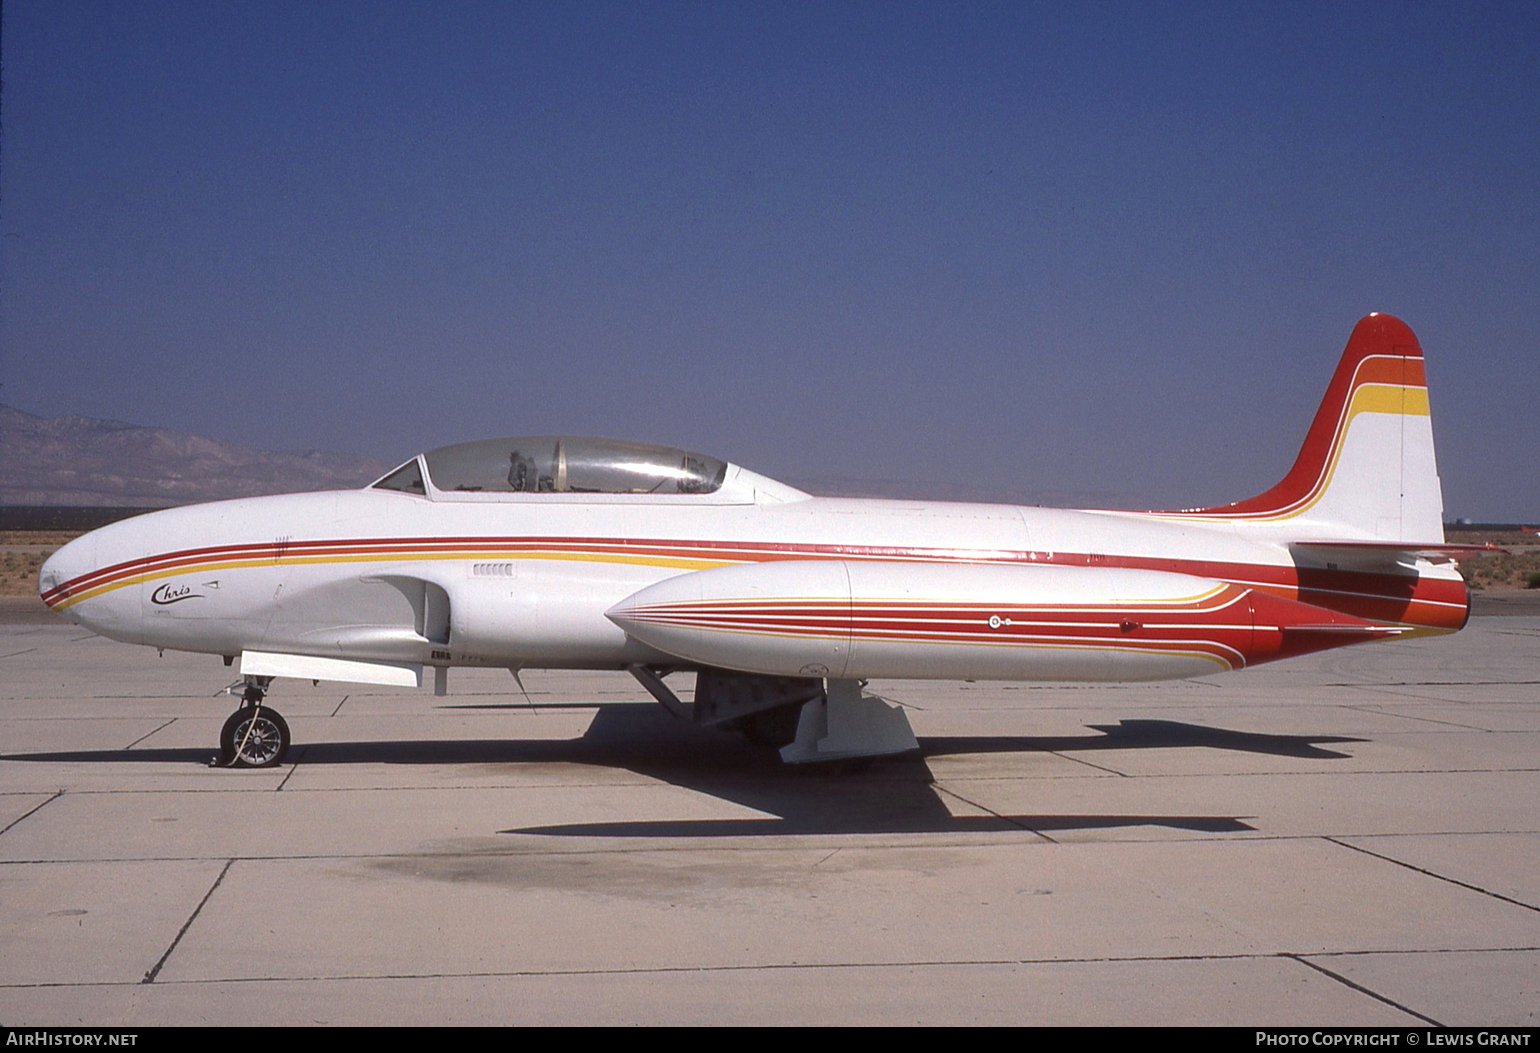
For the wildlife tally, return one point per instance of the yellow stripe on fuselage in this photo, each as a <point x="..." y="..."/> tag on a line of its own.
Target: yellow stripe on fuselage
<point x="671" y="562"/>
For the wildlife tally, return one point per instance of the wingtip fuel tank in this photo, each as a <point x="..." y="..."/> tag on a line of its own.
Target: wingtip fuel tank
<point x="845" y="619"/>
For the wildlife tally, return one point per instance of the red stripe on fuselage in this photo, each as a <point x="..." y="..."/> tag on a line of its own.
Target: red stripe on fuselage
<point x="1406" y="599"/>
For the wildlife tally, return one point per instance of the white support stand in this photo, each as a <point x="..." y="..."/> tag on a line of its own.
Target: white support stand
<point x="846" y="723"/>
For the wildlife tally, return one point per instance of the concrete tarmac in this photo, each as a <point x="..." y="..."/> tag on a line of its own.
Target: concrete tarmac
<point x="1349" y="838"/>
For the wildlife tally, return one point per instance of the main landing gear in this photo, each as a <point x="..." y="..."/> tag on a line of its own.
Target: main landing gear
<point x="254" y="736"/>
<point x="809" y="720"/>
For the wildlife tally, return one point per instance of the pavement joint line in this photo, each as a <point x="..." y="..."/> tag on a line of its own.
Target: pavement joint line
<point x="142" y="698"/>
<point x="1366" y="708"/>
<point x="31" y="811"/>
<point x="141" y="738"/>
<point x="481" y="787"/>
<point x="97" y="698"/>
<point x="208" y="790"/>
<point x="1435" y="874"/>
<point x="799" y="846"/>
<point x="293" y="767"/>
<point x="940" y="789"/>
<point x="1446" y="833"/>
<point x="1431" y="697"/>
<point x="1302" y="957"/>
<point x="1439" y="683"/>
<point x="260" y="788"/>
<point x="1362" y="989"/>
<point x="59" y="716"/>
<point x="1064" y="755"/>
<point x="803" y="845"/>
<point x="15" y="654"/>
<point x="798" y="842"/>
<point x="1417" y="950"/>
<point x="154" y="971"/>
<point x="1289" y="772"/>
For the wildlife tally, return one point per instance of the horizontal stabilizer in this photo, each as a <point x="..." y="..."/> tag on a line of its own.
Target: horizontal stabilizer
<point x="1393" y="557"/>
<point x="1430" y="550"/>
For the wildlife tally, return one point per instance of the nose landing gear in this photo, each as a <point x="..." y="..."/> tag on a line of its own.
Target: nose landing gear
<point x="254" y="736"/>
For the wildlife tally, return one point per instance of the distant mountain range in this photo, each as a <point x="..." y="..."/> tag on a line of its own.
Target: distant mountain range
<point x="86" y="462"/>
<point x="75" y="460"/>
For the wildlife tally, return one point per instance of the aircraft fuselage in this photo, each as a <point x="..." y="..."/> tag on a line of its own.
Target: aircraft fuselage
<point x="385" y="576"/>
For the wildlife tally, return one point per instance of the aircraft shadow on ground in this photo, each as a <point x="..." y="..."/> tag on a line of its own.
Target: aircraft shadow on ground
<point x="893" y="795"/>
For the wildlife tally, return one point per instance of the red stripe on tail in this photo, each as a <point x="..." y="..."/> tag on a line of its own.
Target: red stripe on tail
<point x="1374" y="335"/>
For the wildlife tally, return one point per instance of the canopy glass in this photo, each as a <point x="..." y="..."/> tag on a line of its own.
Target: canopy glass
<point x="561" y="464"/>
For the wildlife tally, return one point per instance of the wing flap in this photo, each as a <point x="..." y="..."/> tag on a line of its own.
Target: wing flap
<point x="346" y="670"/>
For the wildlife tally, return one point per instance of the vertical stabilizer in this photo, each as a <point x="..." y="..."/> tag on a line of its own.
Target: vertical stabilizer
<point x="1367" y="467"/>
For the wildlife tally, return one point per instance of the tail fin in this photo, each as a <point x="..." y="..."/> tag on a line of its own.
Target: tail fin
<point x="1367" y="467"/>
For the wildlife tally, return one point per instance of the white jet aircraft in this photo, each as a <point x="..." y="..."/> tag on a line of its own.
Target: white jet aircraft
<point x="582" y="553"/>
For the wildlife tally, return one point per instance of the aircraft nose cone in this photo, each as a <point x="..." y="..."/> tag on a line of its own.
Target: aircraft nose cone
<point x="60" y="569"/>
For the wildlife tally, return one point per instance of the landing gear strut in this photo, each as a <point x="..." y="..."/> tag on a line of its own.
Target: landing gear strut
<point x="254" y="736"/>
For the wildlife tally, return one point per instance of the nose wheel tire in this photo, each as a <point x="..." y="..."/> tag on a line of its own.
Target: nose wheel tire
<point x="254" y="737"/>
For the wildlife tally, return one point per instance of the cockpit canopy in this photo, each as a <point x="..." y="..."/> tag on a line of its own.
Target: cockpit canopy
<point x="560" y="464"/>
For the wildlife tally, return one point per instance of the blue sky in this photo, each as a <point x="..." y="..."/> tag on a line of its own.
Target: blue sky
<point x="1097" y="251"/>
